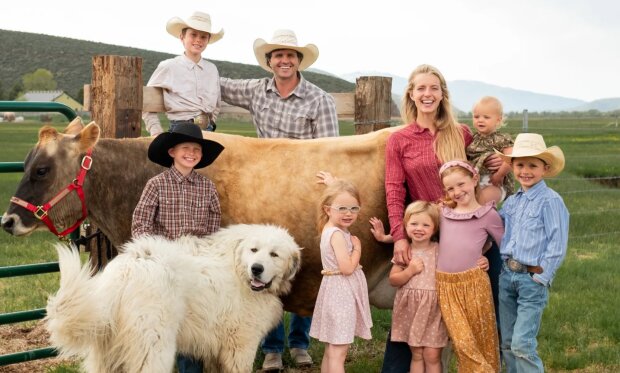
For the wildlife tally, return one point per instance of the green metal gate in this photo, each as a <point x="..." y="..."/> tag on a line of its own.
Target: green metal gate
<point x="29" y="269"/>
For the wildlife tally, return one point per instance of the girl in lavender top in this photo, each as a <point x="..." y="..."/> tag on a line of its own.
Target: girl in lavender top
<point x="463" y="287"/>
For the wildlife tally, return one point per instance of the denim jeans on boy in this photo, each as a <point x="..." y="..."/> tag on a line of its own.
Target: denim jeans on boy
<point x="397" y="355"/>
<point x="297" y="335"/>
<point x="187" y="364"/>
<point x="521" y="304"/>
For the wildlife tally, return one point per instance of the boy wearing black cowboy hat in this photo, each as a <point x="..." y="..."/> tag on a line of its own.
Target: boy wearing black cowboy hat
<point x="180" y="201"/>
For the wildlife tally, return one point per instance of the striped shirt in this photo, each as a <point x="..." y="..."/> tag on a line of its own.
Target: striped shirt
<point x="411" y="166"/>
<point x="307" y="113"/>
<point x="173" y="205"/>
<point x="190" y="89"/>
<point x="536" y="229"/>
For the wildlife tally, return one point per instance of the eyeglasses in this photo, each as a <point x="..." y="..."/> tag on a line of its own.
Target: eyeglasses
<point x="344" y="209"/>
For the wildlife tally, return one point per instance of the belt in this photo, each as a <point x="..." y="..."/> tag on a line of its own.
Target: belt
<point x="515" y="266"/>
<point x="201" y="120"/>
<point x="334" y="272"/>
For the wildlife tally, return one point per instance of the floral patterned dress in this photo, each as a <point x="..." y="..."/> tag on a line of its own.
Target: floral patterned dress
<point x="342" y="310"/>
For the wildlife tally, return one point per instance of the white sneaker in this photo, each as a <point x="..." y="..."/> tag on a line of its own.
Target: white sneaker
<point x="273" y="361"/>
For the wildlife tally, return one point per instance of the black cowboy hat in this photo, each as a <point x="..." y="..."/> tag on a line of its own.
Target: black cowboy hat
<point x="158" y="150"/>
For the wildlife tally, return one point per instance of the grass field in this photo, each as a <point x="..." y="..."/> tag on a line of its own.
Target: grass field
<point x="580" y="329"/>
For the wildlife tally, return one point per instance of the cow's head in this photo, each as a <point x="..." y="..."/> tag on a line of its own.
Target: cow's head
<point x="49" y="167"/>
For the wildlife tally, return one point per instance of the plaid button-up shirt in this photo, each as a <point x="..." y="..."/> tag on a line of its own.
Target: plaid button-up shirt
<point x="307" y="113"/>
<point x="173" y="205"/>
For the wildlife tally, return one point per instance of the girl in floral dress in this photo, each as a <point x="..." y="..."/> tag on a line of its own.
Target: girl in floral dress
<point x="342" y="309"/>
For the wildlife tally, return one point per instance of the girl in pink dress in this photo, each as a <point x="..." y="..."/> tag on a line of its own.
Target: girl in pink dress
<point x="416" y="318"/>
<point x="342" y="310"/>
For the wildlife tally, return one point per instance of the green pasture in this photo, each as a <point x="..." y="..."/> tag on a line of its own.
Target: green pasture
<point x="580" y="329"/>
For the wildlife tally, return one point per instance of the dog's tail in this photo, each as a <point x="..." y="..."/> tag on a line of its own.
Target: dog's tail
<point x="72" y="318"/>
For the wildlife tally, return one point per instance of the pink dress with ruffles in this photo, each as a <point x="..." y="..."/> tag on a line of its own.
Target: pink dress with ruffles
<point x="342" y="310"/>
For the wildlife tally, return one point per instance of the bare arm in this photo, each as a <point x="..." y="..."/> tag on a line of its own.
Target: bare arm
<point x="346" y="263"/>
<point x="399" y="275"/>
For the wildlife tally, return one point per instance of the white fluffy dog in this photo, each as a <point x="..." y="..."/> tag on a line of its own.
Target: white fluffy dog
<point x="213" y="298"/>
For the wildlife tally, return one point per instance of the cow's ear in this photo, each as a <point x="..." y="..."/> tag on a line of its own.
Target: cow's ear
<point x="74" y="127"/>
<point x="46" y="134"/>
<point x="88" y="136"/>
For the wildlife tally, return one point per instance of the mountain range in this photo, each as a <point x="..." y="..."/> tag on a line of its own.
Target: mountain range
<point x="466" y="92"/>
<point x="70" y="61"/>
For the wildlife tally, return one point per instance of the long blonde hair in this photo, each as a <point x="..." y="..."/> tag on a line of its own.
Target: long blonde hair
<point x="331" y="192"/>
<point x="449" y="143"/>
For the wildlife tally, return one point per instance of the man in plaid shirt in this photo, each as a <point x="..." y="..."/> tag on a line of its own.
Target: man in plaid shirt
<point x="285" y="105"/>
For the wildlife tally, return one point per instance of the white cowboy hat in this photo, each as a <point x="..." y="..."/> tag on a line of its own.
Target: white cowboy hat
<point x="284" y="39"/>
<point x="198" y="21"/>
<point x="533" y="145"/>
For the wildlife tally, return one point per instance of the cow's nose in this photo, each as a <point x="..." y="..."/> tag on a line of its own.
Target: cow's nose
<point x="257" y="269"/>
<point x="8" y="224"/>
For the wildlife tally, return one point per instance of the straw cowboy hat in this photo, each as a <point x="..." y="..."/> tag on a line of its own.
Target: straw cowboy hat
<point x="284" y="39"/>
<point x="158" y="150"/>
<point x="198" y="21"/>
<point x="533" y="145"/>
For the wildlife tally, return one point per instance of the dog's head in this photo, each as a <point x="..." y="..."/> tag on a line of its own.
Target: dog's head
<point x="266" y="256"/>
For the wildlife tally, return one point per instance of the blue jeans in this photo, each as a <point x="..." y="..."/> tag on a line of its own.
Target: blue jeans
<point x="298" y="337"/>
<point x="187" y="364"/>
<point x="521" y="304"/>
<point x="397" y="356"/>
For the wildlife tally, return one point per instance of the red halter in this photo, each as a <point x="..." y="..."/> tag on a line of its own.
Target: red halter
<point x="40" y="212"/>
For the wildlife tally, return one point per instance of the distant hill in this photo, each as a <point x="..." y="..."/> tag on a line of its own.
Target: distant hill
<point x="466" y="92"/>
<point x="70" y="60"/>
<point x="605" y="104"/>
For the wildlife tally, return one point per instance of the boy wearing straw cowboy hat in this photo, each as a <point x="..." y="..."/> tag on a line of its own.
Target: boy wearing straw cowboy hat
<point x="190" y="83"/>
<point x="533" y="247"/>
<point x="285" y="105"/>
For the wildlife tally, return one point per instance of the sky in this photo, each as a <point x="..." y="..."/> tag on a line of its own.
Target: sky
<point x="569" y="48"/>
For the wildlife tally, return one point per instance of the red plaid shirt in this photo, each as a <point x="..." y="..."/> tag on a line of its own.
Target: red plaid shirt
<point x="173" y="205"/>
<point x="411" y="166"/>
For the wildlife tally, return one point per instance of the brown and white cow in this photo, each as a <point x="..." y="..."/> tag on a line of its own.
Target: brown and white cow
<point x="263" y="181"/>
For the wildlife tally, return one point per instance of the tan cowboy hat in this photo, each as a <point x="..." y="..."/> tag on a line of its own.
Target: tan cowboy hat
<point x="198" y="21"/>
<point x="533" y="145"/>
<point x="284" y="39"/>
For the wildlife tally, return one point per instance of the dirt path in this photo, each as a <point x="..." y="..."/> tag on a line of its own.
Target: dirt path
<point x="16" y="338"/>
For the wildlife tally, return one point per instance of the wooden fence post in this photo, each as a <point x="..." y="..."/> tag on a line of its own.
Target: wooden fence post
<point x="373" y="103"/>
<point x="116" y="106"/>
<point x="116" y="95"/>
